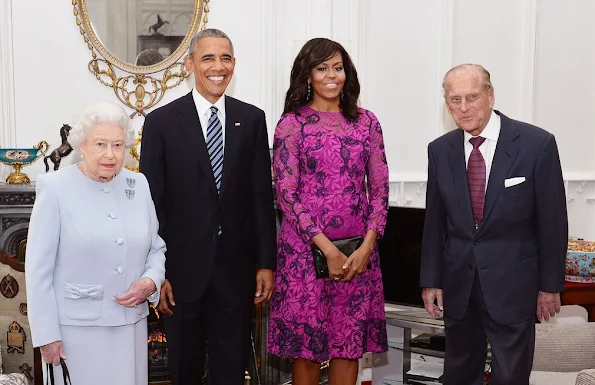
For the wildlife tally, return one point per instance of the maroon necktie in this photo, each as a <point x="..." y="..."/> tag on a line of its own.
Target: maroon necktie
<point x="476" y="177"/>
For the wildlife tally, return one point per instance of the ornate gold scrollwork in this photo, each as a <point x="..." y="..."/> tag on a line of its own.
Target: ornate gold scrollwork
<point x="138" y="91"/>
<point x="134" y="151"/>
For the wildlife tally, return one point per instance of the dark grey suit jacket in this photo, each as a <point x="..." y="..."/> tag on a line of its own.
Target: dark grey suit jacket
<point x="520" y="246"/>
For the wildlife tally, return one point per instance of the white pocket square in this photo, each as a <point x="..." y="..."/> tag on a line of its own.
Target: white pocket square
<point x="514" y="181"/>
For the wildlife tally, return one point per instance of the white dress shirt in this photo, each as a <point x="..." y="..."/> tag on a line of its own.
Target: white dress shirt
<point x="203" y="107"/>
<point x="491" y="132"/>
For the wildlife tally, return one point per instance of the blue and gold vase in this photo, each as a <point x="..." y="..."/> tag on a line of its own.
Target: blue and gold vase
<point x="18" y="157"/>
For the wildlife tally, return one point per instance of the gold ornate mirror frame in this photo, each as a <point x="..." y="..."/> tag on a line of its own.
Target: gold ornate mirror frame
<point x="137" y="89"/>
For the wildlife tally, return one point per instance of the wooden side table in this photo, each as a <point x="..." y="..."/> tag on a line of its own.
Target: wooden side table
<point x="580" y="294"/>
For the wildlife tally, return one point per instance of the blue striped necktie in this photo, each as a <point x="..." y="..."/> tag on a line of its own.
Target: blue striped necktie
<point x="215" y="146"/>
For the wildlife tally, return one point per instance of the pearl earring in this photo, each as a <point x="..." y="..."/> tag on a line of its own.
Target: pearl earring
<point x="309" y="91"/>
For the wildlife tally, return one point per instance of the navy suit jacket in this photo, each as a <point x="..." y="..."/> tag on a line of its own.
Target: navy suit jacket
<point x="520" y="245"/>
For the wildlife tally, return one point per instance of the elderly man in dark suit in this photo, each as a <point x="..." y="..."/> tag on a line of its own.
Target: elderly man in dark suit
<point x="206" y="157"/>
<point x="495" y="235"/>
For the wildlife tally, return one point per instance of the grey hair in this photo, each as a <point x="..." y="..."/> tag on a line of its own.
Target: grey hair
<point x="209" y="32"/>
<point x="484" y="75"/>
<point x="99" y="113"/>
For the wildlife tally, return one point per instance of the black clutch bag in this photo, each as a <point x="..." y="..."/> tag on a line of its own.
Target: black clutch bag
<point x="347" y="246"/>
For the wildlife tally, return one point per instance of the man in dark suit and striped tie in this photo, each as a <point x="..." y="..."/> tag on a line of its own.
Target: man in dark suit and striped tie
<point x="206" y="157"/>
<point x="495" y="234"/>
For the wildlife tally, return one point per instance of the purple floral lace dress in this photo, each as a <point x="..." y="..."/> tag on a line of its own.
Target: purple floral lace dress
<point x="321" y="161"/>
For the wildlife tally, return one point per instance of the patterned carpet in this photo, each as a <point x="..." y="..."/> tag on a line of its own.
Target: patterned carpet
<point x="16" y="349"/>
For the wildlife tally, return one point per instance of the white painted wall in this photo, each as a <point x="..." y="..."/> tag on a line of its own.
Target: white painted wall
<point x="539" y="52"/>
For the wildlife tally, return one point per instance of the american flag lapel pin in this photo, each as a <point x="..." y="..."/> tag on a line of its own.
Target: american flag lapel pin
<point x="237" y="124"/>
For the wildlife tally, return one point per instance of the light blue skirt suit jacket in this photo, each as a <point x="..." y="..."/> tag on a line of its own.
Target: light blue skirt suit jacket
<point x="87" y="243"/>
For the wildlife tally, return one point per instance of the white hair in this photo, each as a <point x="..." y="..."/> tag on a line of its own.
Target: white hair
<point x="99" y="113"/>
<point x="484" y="76"/>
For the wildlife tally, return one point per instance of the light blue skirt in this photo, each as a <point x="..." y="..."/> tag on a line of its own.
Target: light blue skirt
<point x="100" y="355"/>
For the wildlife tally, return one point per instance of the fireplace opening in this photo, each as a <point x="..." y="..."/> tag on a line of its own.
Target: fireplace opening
<point x="157" y="349"/>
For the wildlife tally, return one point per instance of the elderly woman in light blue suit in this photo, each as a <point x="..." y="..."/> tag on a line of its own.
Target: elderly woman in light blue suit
<point x="94" y="257"/>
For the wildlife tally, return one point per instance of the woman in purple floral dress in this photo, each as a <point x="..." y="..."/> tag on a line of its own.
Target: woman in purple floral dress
<point x="331" y="179"/>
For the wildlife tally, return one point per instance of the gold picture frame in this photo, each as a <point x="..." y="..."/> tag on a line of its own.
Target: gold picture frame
<point x="138" y="89"/>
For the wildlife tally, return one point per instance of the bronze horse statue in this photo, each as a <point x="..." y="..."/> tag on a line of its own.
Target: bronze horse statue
<point x="63" y="150"/>
<point x="156" y="26"/>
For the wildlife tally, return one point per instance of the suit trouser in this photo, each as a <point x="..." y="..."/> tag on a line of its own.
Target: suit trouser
<point x="512" y="346"/>
<point x="219" y="322"/>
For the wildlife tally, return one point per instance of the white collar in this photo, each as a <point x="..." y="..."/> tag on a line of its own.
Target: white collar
<point x="203" y="106"/>
<point x="491" y="131"/>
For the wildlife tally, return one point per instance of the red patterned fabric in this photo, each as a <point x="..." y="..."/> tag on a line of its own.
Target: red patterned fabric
<point x="476" y="177"/>
<point x="570" y="285"/>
